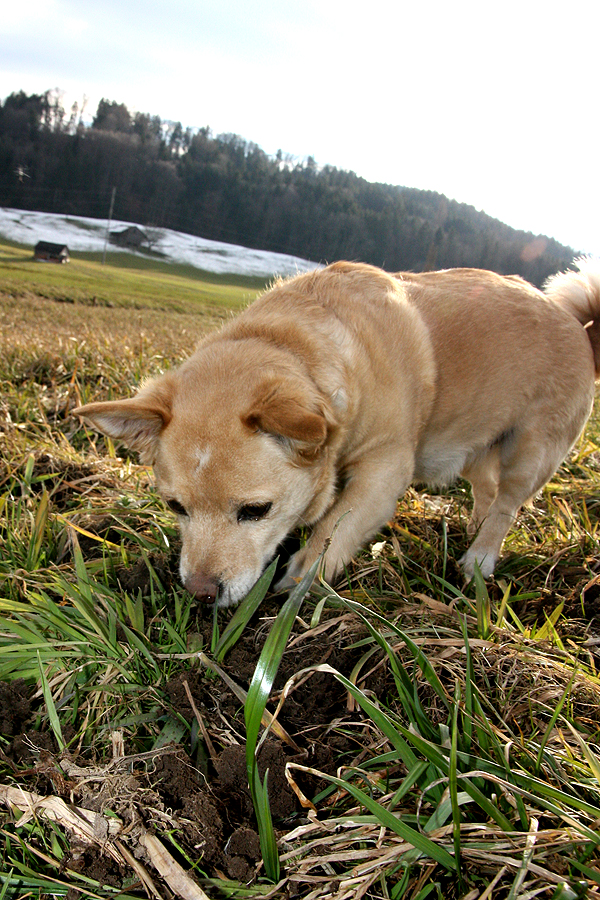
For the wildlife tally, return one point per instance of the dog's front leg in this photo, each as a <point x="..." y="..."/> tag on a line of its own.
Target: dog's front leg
<point x="367" y="502"/>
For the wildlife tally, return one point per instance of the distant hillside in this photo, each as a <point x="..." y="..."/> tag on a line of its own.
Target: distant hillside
<point x="163" y="245"/>
<point x="225" y="188"/>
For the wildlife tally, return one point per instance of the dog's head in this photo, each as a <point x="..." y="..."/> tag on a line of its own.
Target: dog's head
<point x="240" y="454"/>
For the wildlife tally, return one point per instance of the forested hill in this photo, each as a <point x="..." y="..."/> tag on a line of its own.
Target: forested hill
<point x="226" y="188"/>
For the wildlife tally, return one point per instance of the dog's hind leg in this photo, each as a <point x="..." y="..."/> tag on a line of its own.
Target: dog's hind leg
<point x="526" y="462"/>
<point x="483" y="473"/>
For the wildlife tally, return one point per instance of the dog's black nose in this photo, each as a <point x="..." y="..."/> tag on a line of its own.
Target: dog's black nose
<point x="204" y="589"/>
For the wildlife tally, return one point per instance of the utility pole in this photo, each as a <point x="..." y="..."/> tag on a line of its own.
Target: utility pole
<point x="110" y="212"/>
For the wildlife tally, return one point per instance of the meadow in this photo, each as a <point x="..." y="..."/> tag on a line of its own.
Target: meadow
<point x="422" y="738"/>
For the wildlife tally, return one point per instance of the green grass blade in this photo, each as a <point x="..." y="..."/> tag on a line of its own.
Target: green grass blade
<point x="441" y="762"/>
<point x="482" y="605"/>
<point x="452" y="780"/>
<point x="244" y="613"/>
<point x="383" y="721"/>
<point x="256" y="701"/>
<point x="417" y="839"/>
<point x="50" y="707"/>
<point x="38" y="531"/>
<point x="270" y="658"/>
<point x="419" y="656"/>
<point x="553" y="718"/>
<point x="469" y="689"/>
<point x="592" y="760"/>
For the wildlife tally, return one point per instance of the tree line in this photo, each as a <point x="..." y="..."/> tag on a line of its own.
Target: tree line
<point x="226" y="188"/>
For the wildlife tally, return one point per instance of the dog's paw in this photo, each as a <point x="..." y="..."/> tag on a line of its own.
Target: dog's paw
<point x="485" y="561"/>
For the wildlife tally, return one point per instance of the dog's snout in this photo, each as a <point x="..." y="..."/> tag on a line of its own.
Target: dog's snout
<point x="204" y="588"/>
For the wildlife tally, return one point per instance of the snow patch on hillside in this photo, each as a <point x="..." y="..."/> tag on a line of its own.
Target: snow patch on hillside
<point x="83" y="234"/>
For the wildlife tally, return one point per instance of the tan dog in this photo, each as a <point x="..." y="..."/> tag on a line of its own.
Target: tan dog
<point x="335" y="390"/>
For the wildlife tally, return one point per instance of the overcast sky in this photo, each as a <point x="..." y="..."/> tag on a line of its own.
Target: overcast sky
<point x="495" y="105"/>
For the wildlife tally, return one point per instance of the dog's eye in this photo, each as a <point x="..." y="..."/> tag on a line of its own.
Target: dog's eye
<point x="252" y="512"/>
<point x="176" y="507"/>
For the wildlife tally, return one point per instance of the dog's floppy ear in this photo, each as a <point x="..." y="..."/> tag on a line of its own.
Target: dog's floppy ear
<point x="137" y="422"/>
<point x="286" y="409"/>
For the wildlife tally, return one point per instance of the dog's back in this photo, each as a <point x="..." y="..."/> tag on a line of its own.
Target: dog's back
<point x="502" y="349"/>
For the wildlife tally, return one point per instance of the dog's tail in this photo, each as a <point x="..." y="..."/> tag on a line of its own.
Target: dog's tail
<point x="579" y="293"/>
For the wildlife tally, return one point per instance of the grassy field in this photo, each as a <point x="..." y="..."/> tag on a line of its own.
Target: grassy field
<point x="430" y="740"/>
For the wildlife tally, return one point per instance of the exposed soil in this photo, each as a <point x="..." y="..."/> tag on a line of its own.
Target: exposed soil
<point x="15" y="707"/>
<point x="206" y="797"/>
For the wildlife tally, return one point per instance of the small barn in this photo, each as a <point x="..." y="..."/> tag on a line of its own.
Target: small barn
<point x="45" y="251"/>
<point x="132" y="237"/>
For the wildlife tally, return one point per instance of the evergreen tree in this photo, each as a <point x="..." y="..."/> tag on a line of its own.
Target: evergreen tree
<point x="226" y="188"/>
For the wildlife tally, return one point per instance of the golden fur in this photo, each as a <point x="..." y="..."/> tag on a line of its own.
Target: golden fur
<point x="336" y="389"/>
